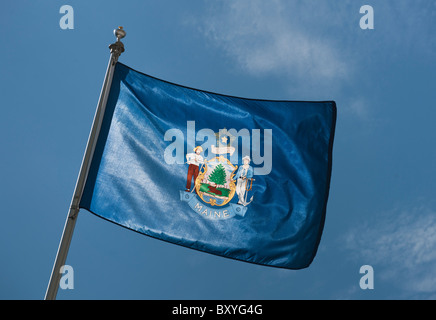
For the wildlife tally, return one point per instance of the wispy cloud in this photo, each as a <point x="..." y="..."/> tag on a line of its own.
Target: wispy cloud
<point x="266" y="37"/>
<point x="317" y="46"/>
<point x="401" y="246"/>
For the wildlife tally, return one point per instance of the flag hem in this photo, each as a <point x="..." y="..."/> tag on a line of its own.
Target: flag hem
<point x="197" y="249"/>
<point x="227" y="95"/>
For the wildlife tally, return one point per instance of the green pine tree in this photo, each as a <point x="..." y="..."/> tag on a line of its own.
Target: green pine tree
<point x="218" y="175"/>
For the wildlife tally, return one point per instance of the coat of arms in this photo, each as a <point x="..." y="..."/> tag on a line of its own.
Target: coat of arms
<point x="217" y="181"/>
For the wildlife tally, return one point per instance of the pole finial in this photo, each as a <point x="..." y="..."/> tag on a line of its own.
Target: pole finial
<point x="119" y="33"/>
<point x="118" y="47"/>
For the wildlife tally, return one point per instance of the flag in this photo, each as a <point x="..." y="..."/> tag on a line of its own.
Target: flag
<point x="240" y="178"/>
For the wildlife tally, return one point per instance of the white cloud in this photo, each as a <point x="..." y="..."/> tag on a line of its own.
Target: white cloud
<point x="400" y="245"/>
<point x="266" y="37"/>
<point x="317" y="47"/>
<point x="358" y="107"/>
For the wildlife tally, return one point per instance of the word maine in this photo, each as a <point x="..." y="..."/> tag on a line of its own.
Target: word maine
<point x="257" y="144"/>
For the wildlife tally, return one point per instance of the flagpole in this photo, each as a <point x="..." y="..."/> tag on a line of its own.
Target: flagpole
<point x="116" y="49"/>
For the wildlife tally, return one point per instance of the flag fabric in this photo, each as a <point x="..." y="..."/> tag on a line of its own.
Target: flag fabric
<point x="240" y="178"/>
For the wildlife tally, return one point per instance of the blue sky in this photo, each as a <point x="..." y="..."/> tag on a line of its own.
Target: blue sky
<point x="382" y="208"/>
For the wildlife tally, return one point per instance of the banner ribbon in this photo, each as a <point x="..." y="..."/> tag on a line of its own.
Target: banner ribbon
<point x="212" y="213"/>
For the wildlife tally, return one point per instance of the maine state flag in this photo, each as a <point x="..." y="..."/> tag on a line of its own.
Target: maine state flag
<point x="240" y="178"/>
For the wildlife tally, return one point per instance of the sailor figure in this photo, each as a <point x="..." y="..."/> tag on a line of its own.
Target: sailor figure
<point x="194" y="160"/>
<point x="244" y="173"/>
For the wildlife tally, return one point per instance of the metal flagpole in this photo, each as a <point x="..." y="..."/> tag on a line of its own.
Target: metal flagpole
<point x="116" y="49"/>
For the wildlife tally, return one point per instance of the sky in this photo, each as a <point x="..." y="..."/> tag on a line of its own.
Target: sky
<point x="382" y="206"/>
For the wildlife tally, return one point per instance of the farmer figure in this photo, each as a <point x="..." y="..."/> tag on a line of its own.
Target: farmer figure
<point x="194" y="160"/>
<point x="244" y="173"/>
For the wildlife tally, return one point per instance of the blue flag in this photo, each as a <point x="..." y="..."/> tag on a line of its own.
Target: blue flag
<point x="240" y="178"/>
